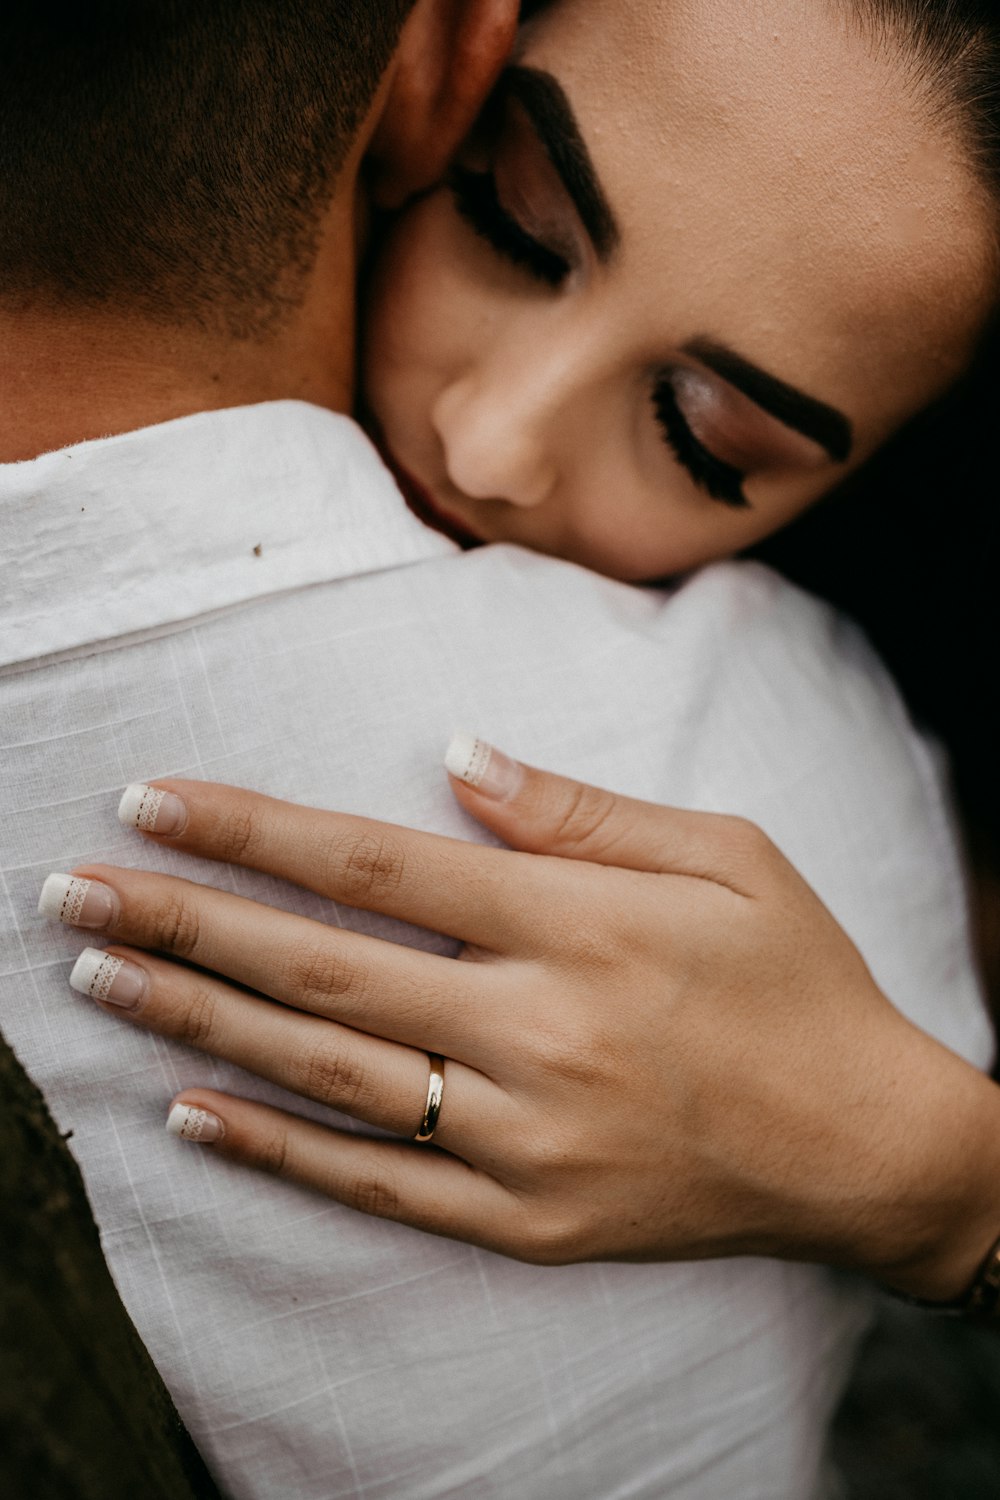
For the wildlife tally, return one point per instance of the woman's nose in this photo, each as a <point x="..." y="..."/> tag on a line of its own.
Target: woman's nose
<point x="498" y="444"/>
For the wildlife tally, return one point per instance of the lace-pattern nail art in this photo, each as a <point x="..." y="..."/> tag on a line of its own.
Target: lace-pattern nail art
<point x="479" y="759"/>
<point x="72" y="905"/>
<point x="194" y="1124"/>
<point x="149" y="806"/>
<point x="100" y="985"/>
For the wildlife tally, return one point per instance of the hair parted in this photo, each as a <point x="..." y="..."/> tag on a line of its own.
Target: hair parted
<point x="174" y="157"/>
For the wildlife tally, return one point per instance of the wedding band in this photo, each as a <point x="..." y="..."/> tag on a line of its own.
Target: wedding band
<point x="435" y="1090"/>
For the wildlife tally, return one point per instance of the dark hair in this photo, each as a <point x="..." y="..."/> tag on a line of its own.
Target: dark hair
<point x="174" y="156"/>
<point x="909" y="546"/>
<point x="953" y="51"/>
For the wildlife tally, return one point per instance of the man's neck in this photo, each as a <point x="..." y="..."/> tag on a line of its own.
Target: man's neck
<point x="62" y="384"/>
<point x="66" y="377"/>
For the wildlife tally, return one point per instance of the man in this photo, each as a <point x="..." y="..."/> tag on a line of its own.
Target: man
<point x="239" y="594"/>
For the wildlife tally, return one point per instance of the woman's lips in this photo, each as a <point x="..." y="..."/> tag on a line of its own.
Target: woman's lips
<point x="426" y="509"/>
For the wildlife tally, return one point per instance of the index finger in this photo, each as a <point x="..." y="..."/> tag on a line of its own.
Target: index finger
<point x="471" y="892"/>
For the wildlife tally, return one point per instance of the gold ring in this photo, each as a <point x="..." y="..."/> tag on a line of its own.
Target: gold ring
<point x="435" y="1090"/>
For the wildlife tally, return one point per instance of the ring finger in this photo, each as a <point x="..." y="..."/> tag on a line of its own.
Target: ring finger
<point x="382" y="1083"/>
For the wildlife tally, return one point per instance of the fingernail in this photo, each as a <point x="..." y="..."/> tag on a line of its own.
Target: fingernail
<point x="78" y="902"/>
<point x="103" y="976"/>
<point x="151" y="810"/>
<point x="194" y="1124"/>
<point x="482" y="766"/>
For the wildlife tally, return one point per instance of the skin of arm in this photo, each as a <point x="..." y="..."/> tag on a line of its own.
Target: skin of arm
<point x="686" y="988"/>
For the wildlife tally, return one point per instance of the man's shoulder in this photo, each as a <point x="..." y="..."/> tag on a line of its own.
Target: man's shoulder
<point x="737" y="614"/>
<point x="730" y="683"/>
<point x="150" y="530"/>
<point x="733" y="591"/>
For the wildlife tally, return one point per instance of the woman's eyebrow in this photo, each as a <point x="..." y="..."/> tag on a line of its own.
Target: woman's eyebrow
<point x="823" y="424"/>
<point x="546" y="105"/>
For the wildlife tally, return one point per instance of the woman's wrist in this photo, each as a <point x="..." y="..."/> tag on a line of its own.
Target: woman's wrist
<point x="939" y="1217"/>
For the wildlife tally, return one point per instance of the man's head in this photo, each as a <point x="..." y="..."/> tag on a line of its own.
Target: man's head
<point x="176" y="158"/>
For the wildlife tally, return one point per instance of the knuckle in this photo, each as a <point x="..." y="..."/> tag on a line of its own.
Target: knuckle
<point x="321" y="974"/>
<point x="197" y="1020"/>
<point x="376" y="1194"/>
<point x="749" y="847"/>
<point x="547" y="1157"/>
<point x="178" y="926"/>
<point x="370" y="866"/>
<point x="272" y="1153"/>
<point x="598" y="944"/>
<point x="334" y="1077"/>
<point x="584" y="819"/>
<point x="553" y="1240"/>
<point x="236" y="837"/>
<point x="540" y="1230"/>
<point x="746" y="836"/>
<point x="573" y="1054"/>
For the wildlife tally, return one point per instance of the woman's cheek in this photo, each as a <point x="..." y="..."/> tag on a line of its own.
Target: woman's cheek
<point x="425" y="312"/>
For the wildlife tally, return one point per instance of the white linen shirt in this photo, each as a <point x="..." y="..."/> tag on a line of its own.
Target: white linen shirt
<point x="241" y="596"/>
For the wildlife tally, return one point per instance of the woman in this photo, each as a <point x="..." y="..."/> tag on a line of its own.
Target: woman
<point x="879" y="1185"/>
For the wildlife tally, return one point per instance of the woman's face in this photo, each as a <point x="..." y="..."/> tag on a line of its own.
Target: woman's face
<point x="699" y="262"/>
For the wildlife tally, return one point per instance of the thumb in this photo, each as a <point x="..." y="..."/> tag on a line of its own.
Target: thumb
<point x="545" y="814"/>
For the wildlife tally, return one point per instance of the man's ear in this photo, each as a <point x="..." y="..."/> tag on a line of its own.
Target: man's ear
<point x="448" y="59"/>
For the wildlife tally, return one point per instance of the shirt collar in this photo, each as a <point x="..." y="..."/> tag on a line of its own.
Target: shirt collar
<point x="154" y="527"/>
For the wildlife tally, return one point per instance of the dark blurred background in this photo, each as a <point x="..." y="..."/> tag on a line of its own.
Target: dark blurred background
<point x="921" y="1417"/>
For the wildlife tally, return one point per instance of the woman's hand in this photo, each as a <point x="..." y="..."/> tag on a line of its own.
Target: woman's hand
<point x="659" y="1044"/>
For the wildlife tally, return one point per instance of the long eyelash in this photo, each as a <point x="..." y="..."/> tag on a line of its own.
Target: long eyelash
<point x="476" y="199"/>
<point x="720" y="480"/>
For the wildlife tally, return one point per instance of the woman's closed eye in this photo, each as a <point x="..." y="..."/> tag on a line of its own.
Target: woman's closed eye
<point x="478" y="202"/>
<point x="722" y="481"/>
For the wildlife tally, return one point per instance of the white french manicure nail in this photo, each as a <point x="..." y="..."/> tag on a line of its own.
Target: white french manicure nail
<point x="104" y="976"/>
<point x="151" y="810"/>
<point x="77" y="902"/>
<point x="483" y="767"/>
<point x="193" y="1124"/>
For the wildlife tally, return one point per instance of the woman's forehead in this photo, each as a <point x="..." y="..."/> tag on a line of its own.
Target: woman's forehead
<point x="769" y="164"/>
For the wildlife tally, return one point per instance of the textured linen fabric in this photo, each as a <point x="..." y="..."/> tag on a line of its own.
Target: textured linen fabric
<point x="316" y="1353"/>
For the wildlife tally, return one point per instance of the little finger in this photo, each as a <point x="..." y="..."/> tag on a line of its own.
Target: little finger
<point x="412" y="1184"/>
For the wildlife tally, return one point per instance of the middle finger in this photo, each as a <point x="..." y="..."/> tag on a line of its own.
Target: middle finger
<point x="402" y="994"/>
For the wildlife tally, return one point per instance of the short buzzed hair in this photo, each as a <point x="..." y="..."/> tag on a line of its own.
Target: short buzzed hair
<point x="174" y="157"/>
